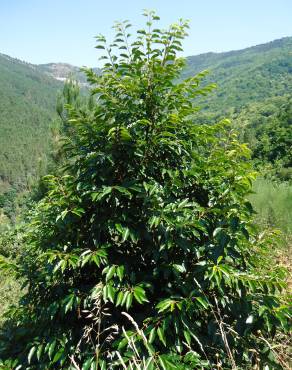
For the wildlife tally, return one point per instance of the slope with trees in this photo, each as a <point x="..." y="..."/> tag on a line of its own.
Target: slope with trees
<point x="28" y="100"/>
<point x="245" y="76"/>
<point x="267" y="127"/>
<point x="27" y="105"/>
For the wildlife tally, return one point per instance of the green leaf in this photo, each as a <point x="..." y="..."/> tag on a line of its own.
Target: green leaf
<point x="31" y="353"/>
<point x="140" y="295"/>
<point x="187" y="337"/>
<point x="129" y="300"/>
<point x="179" y="268"/>
<point x="78" y="211"/>
<point x="125" y="296"/>
<point x="161" y="336"/>
<point x="126" y="233"/>
<point x="39" y="351"/>
<point x="52" y="348"/>
<point x="58" y="355"/>
<point x="110" y="273"/>
<point x="69" y="304"/>
<point x="203" y="302"/>
<point x="120" y="272"/>
<point x="164" y="305"/>
<point x="123" y="190"/>
<point x="111" y="293"/>
<point x="96" y="196"/>
<point x="152" y="335"/>
<point x="166" y="363"/>
<point x="219" y="259"/>
<point x="87" y="363"/>
<point x="217" y="231"/>
<point x="120" y="297"/>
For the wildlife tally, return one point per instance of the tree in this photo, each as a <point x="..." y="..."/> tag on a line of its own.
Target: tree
<point x="142" y="254"/>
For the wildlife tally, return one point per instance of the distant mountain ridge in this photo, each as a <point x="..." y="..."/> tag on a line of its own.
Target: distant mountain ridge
<point x="245" y="76"/>
<point x="208" y="59"/>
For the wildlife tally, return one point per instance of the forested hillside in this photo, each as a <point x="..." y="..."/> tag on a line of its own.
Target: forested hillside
<point x="245" y="76"/>
<point x="27" y="106"/>
<point x="253" y="85"/>
<point x="242" y="76"/>
<point x="267" y="127"/>
<point x="28" y="96"/>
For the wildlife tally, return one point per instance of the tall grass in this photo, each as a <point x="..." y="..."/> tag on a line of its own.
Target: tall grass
<point x="273" y="203"/>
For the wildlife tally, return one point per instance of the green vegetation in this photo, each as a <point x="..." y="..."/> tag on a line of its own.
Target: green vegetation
<point x="267" y="127"/>
<point x="143" y="254"/>
<point x="27" y="105"/>
<point x="273" y="204"/>
<point x="10" y="288"/>
<point x="9" y="294"/>
<point x="245" y="76"/>
<point x="248" y="80"/>
<point x="253" y="91"/>
<point x="28" y="100"/>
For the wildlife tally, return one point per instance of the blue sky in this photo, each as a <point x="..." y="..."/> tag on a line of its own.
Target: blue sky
<point x="42" y="31"/>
